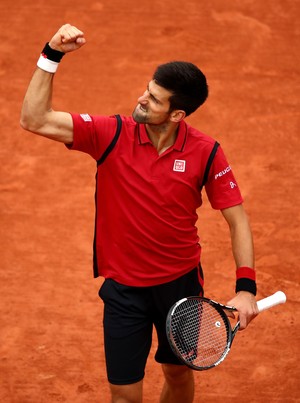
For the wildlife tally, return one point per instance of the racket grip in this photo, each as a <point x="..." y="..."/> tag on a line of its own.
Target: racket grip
<point x="278" y="298"/>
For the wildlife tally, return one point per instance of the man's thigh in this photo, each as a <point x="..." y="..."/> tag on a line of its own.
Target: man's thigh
<point x="164" y="296"/>
<point x="127" y="332"/>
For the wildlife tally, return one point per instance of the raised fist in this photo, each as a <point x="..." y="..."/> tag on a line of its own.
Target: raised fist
<point x="67" y="39"/>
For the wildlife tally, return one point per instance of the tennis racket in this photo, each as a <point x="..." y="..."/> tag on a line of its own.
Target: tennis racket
<point x="200" y="333"/>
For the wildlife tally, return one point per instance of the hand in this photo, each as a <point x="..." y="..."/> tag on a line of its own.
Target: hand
<point x="67" y="39"/>
<point x="246" y="306"/>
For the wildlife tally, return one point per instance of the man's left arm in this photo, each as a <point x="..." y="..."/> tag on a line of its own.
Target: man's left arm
<point x="243" y="252"/>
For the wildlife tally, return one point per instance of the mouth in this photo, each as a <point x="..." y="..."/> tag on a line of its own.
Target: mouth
<point x="142" y="109"/>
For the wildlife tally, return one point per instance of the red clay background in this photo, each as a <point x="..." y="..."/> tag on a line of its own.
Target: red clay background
<point x="51" y="338"/>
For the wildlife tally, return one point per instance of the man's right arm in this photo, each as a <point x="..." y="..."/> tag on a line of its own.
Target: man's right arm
<point x="37" y="115"/>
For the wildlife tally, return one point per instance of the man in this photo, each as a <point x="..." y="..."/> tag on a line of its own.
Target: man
<point x="151" y="170"/>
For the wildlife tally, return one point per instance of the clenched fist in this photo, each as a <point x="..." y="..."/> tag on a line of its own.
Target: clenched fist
<point x="67" y="39"/>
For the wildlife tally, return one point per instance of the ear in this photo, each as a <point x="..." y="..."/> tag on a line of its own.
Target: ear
<point x="177" y="115"/>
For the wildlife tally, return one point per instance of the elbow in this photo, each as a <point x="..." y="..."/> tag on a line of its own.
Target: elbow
<point x="25" y="120"/>
<point x="28" y="123"/>
<point x="24" y="123"/>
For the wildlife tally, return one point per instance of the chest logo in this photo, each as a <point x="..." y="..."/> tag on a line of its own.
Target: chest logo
<point x="179" y="166"/>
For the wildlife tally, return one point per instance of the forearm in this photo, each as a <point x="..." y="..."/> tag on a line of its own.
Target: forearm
<point x="241" y="236"/>
<point x="37" y="114"/>
<point x="243" y="252"/>
<point x="242" y="244"/>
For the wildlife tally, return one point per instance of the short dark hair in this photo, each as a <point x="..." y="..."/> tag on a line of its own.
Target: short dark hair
<point x="187" y="83"/>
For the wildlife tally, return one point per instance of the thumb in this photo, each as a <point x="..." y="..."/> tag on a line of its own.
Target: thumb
<point x="80" y="41"/>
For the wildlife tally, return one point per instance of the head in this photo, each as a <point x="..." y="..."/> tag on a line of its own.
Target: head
<point x="176" y="90"/>
<point x="186" y="82"/>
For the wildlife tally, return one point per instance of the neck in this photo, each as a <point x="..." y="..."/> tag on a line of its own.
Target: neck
<point x="162" y="136"/>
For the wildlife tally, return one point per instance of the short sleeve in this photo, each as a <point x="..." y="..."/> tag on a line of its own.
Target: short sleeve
<point x="92" y="134"/>
<point x="221" y="188"/>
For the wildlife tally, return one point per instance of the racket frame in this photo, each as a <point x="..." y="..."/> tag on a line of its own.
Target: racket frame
<point x="277" y="298"/>
<point x="220" y="308"/>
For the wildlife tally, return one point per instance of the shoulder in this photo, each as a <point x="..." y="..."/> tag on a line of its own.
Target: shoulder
<point x="199" y="137"/>
<point x="127" y="121"/>
<point x="199" y="141"/>
<point x="101" y="120"/>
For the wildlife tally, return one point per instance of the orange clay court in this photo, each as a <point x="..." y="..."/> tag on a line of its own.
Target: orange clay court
<point x="51" y="317"/>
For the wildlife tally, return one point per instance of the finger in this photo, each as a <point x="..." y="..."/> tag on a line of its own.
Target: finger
<point x="243" y="323"/>
<point x="230" y="314"/>
<point x="70" y="33"/>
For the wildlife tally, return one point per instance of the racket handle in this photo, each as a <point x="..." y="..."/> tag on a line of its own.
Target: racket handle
<point x="278" y="298"/>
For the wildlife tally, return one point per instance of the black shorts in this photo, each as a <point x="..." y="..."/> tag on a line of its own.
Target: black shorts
<point x="129" y="316"/>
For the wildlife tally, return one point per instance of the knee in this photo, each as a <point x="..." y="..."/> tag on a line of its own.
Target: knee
<point x="177" y="375"/>
<point x="127" y="393"/>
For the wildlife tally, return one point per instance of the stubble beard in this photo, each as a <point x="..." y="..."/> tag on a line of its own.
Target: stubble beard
<point x="139" y="115"/>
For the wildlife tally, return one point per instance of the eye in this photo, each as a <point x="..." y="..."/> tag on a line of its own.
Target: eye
<point x="151" y="96"/>
<point x="153" y="99"/>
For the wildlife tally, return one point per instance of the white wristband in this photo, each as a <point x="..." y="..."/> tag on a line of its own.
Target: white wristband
<point x="47" y="65"/>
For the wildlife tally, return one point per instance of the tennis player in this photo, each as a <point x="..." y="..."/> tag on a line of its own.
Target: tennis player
<point x="151" y="168"/>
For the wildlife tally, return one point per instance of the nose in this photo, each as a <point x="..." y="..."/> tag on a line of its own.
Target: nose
<point x="143" y="98"/>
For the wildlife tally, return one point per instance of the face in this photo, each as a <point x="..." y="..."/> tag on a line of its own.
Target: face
<point x="153" y="106"/>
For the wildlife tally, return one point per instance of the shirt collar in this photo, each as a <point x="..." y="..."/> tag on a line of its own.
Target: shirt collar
<point x="179" y="142"/>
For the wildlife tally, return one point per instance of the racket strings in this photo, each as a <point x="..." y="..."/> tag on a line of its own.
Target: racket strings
<point x="199" y="333"/>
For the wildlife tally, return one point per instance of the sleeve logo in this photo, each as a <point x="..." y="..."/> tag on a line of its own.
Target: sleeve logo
<point x="224" y="172"/>
<point x="86" y="117"/>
